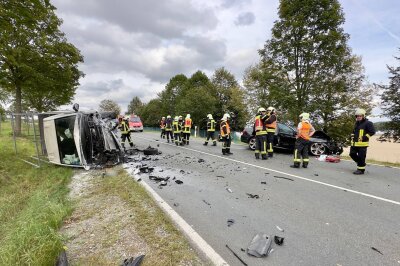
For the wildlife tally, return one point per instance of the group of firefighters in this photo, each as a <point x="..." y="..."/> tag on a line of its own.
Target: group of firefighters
<point x="178" y="130"/>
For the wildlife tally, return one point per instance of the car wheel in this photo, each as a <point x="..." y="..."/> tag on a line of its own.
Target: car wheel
<point x="252" y="144"/>
<point x="317" y="149"/>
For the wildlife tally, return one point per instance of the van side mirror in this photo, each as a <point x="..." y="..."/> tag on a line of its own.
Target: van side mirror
<point x="75" y="107"/>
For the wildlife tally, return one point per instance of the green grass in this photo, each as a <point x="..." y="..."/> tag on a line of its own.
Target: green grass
<point x="32" y="205"/>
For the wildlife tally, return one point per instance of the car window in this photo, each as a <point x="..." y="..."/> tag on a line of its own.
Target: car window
<point x="285" y="129"/>
<point x="135" y="119"/>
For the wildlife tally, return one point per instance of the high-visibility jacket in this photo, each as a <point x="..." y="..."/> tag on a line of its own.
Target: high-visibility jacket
<point x="304" y="129"/>
<point x="188" y="125"/>
<point x="363" y="130"/>
<point x="177" y="126"/>
<point x="225" y="129"/>
<point x="270" y="123"/>
<point x="168" y="124"/>
<point x="124" y="127"/>
<point x="162" y="124"/>
<point x="211" y="125"/>
<point x="259" y="125"/>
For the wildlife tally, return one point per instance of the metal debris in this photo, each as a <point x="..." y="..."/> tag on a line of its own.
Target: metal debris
<point x="377" y="250"/>
<point x="259" y="245"/>
<point x="178" y="181"/>
<point x="206" y="202"/>
<point x="230" y="222"/>
<point x="253" y="196"/>
<point x="201" y="161"/>
<point x="263" y="182"/>
<point x="278" y="240"/>
<point x="229" y="190"/>
<point x="287" y="178"/>
<point x="280" y="229"/>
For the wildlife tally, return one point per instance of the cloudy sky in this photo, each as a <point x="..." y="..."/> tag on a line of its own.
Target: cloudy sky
<point x="133" y="47"/>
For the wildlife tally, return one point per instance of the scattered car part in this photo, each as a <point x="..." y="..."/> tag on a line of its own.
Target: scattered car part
<point x="178" y="181"/>
<point x="287" y="178"/>
<point x="237" y="256"/>
<point x="133" y="262"/>
<point x="259" y="245"/>
<point x="263" y="182"/>
<point x="230" y="222"/>
<point x="280" y="229"/>
<point x="332" y="159"/>
<point x="377" y="250"/>
<point x="253" y="196"/>
<point x="206" y="202"/>
<point x="229" y="190"/>
<point x="150" y="151"/>
<point x="278" y="240"/>
<point x="201" y="161"/>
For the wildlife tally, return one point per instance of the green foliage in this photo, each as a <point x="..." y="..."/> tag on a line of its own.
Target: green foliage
<point x="33" y="204"/>
<point x="150" y="114"/>
<point x="109" y="106"/>
<point x="391" y="103"/>
<point x="37" y="64"/>
<point x="307" y="66"/>
<point x="135" y="106"/>
<point x="168" y="96"/>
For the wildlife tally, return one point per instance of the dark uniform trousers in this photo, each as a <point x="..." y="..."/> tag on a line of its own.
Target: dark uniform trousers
<point x="270" y="143"/>
<point x="358" y="154"/>
<point x="301" y="149"/>
<point x="261" y="145"/>
<point x="226" y="144"/>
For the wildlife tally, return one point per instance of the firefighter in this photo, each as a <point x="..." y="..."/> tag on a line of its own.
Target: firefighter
<point x="162" y="126"/>
<point x="304" y="131"/>
<point x="261" y="134"/>
<point x="210" y="130"/>
<point x="363" y="130"/>
<point x="125" y="131"/>
<point x="177" y="126"/>
<point x="168" y="128"/>
<point x="225" y="135"/>
<point x="270" y="124"/>
<point x="186" y="129"/>
<point x="181" y="125"/>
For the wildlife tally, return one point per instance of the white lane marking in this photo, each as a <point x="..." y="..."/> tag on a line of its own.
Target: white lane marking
<point x="295" y="176"/>
<point x="190" y="233"/>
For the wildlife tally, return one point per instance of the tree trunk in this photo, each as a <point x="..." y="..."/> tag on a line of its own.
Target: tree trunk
<point x="18" y="109"/>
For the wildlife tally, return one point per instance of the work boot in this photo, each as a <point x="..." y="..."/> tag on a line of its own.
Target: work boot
<point x="176" y="143"/>
<point x="168" y="140"/>
<point x="358" y="172"/>
<point x="205" y="143"/>
<point x="223" y="152"/>
<point x="295" y="165"/>
<point x="257" y="156"/>
<point x="187" y="142"/>
<point x="270" y="155"/>
<point x="264" y="156"/>
<point x="305" y="164"/>
<point x="214" y="143"/>
<point x="228" y="151"/>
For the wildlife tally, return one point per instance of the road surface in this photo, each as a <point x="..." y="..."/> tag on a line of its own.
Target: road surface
<point x="329" y="216"/>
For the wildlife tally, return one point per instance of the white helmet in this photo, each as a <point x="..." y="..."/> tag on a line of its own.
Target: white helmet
<point x="261" y="109"/>
<point x="271" y="109"/>
<point x="176" y="118"/>
<point x="209" y="116"/>
<point x="304" y="116"/>
<point x="360" y="111"/>
<point x="168" y="116"/>
<point x="188" y="116"/>
<point x="225" y="117"/>
<point x="180" y="117"/>
<point x="126" y="117"/>
<point x="163" y="117"/>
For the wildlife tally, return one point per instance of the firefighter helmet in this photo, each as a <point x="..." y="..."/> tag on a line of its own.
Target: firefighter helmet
<point x="226" y="117"/>
<point x="209" y="116"/>
<point x="176" y="118"/>
<point x="168" y="116"/>
<point x="188" y="116"/>
<point x="360" y="111"/>
<point x="304" y="116"/>
<point x="163" y="117"/>
<point x="261" y="109"/>
<point x="271" y="109"/>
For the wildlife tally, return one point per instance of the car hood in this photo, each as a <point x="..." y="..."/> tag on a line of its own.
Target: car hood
<point x="320" y="136"/>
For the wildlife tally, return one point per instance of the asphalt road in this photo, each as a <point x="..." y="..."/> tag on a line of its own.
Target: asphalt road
<point x="329" y="216"/>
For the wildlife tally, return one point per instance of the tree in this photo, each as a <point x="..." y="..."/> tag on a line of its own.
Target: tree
<point x="168" y="97"/>
<point x="231" y="97"/>
<point x="307" y="64"/>
<point x="109" y="106"/>
<point x="135" y="106"/>
<point x="391" y="103"/>
<point x="36" y="61"/>
<point x="151" y="113"/>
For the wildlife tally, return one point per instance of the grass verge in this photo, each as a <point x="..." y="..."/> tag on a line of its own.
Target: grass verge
<point x="137" y="214"/>
<point x="32" y="206"/>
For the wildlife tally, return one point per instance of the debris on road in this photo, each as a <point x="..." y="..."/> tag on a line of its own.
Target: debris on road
<point x="209" y="204"/>
<point x="280" y="229"/>
<point x="263" y="182"/>
<point x="237" y="256"/>
<point x="282" y="177"/>
<point x="377" y="250"/>
<point x="259" y="245"/>
<point x="220" y="176"/>
<point x="230" y="222"/>
<point x="176" y="204"/>
<point x="229" y="190"/>
<point x="252" y="196"/>
<point x="178" y="181"/>
<point x="201" y="161"/>
<point x="332" y="159"/>
<point x="316" y="174"/>
<point x="278" y="240"/>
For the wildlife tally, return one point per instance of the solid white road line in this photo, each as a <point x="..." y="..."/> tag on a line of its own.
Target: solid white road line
<point x="189" y="232"/>
<point x="280" y="172"/>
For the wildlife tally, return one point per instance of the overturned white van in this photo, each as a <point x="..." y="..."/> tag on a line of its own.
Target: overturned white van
<point x="81" y="139"/>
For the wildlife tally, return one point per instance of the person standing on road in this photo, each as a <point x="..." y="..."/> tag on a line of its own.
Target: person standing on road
<point x="162" y="126"/>
<point x="210" y="130"/>
<point x="181" y="123"/>
<point x="225" y="135"/>
<point x="363" y="130"/>
<point x="168" y="128"/>
<point x="270" y="124"/>
<point x="186" y="129"/>
<point x="261" y="134"/>
<point x="177" y="126"/>
<point x="125" y="132"/>
<point x="304" y="131"/>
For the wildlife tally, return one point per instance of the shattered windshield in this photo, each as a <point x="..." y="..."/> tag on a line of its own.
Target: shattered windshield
<point x="65" y="138"/>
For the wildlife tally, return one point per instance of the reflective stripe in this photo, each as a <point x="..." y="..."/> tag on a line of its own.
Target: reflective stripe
<point x="361" y="167"/>
<point x="270" y="148"/>
<point x="368" y="135"/>
<point x="360" y="135"/>
<point x="262" y="132"/>
<point x="361" y="144"/>
<point x="271" y="130"/>
<point x="306" y="160"/>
